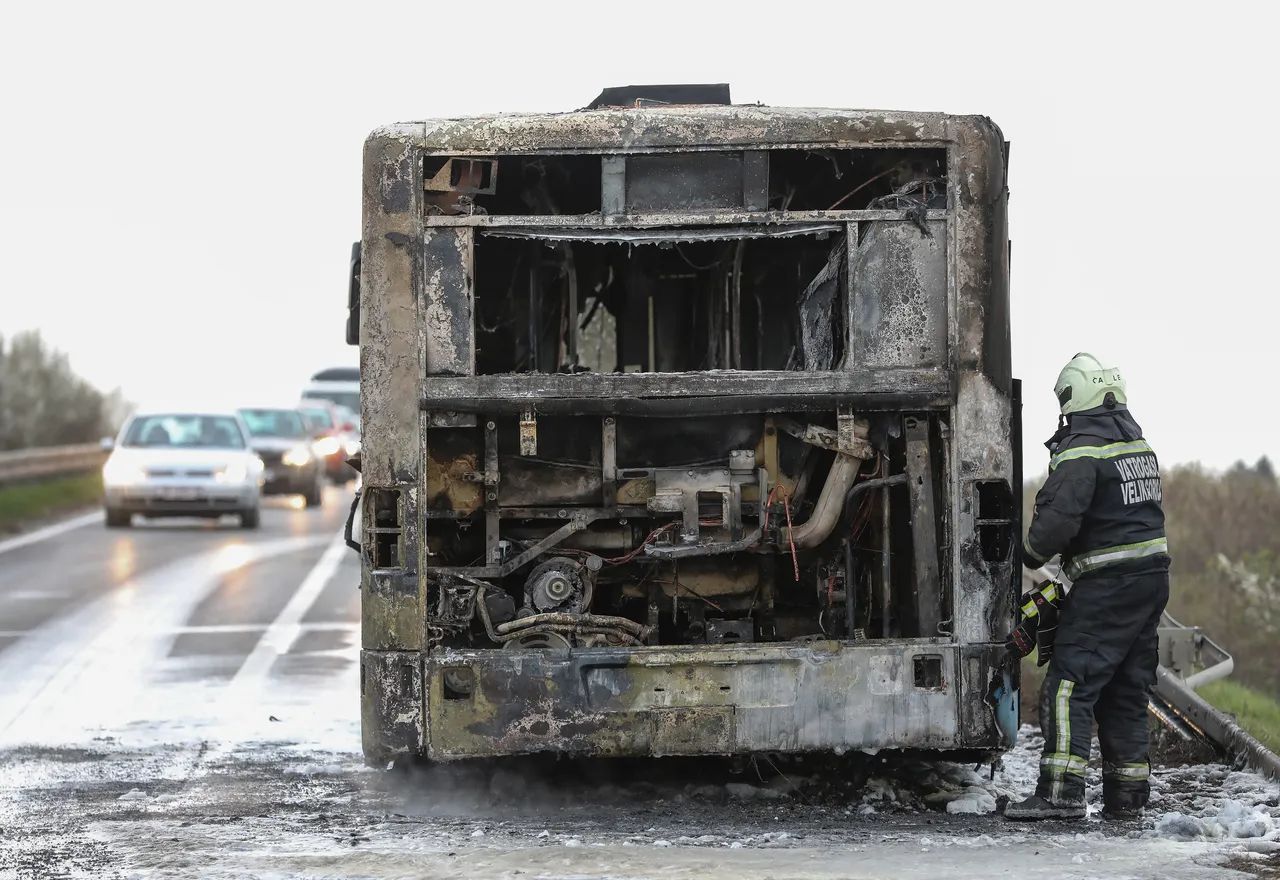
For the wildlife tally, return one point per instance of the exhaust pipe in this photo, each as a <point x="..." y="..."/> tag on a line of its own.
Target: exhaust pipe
<point x="831" y="502"/>
<point x="826" y="513"/>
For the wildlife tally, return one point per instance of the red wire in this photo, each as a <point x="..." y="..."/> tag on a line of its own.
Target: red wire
<point x="618" y="560"/>
<point x="764" y="526"/>
<point x="786" y="504"/>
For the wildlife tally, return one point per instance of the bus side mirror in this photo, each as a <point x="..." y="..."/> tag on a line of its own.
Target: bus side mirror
<point x="353" y="297"/>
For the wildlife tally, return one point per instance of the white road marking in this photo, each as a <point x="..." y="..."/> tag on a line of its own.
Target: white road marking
<point x="33" y="595"/>
<point x="233" y="628"/>
<point x="284" y="630"/>
<point x="52" y="531"/>
<point x="91" y="669"/>
<point x="249" y="702"/>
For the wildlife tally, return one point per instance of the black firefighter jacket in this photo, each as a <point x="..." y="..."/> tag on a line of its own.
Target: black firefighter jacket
<point x="1100" y="507"/>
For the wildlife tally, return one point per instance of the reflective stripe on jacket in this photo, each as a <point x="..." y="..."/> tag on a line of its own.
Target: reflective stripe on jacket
<point x="1100" y="507"/>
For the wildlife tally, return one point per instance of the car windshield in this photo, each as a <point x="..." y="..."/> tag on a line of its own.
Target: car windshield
<point x="186" y="431"/>
<point x="319" y="417"/>
<point x="274" y="423"/>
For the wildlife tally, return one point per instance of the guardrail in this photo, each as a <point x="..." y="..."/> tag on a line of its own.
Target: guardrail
<point x="1191" y="655"/>
<point x="29" y="465"/>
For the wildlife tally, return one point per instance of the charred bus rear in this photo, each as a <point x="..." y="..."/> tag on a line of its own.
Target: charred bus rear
<point x="688" y="428"/>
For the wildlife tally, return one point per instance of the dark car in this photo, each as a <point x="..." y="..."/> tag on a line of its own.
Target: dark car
<point x="284" y="440"/>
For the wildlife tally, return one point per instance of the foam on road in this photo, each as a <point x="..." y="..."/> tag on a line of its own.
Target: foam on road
<point x="190" y="708"/>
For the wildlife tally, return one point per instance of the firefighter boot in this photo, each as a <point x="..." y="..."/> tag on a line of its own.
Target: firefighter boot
<point x="1037" y="807"/>
<point x="1124" y="799"/>
<point x="1062" y="800"/>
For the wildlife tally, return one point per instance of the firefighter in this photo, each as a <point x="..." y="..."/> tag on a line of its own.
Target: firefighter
<point x="1100" y="508"/>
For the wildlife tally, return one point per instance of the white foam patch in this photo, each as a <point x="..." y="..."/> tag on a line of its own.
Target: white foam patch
<point x="1232" y="820"/>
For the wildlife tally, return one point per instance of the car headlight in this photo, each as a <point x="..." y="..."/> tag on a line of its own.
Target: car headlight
<point x="232" y="473"/>
<point x="121" y="473"/>
<point x="327" y="446"/>
<point x="352" y="447"/>
<point x="299" y="456"/>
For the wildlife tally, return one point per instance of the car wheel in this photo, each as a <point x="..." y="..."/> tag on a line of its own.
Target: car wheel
<point x="118" y="519"/>
<point x="251" y="518"/>
<point x="314" y="496"/>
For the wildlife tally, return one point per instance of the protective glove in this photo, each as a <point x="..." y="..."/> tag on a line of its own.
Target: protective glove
<point x="1023" y="640"/>
<point x="1039" y="623"/>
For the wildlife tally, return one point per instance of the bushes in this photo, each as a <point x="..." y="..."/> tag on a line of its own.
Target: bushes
<point x="44" y="403"/>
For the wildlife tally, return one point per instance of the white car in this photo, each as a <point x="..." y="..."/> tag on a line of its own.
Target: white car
<point x="182" y="464"/>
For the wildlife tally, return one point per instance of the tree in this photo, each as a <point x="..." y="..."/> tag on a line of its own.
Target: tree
<point x="44" y="403"/>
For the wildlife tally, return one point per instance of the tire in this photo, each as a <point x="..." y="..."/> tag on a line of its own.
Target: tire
<point x="314" y="497"/>
<point x="251" y="518"/>
<point x="118" y="519"/>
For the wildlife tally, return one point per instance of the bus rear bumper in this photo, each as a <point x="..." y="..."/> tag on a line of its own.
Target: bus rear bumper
<point x="689" y="700"/>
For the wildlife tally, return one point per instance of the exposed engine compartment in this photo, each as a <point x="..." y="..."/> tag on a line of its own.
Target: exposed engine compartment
<point x="730" y="529"/>
<point x="597" y="522"/>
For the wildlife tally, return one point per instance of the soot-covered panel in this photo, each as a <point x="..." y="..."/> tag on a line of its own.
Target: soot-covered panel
<point x="899" y="284"/>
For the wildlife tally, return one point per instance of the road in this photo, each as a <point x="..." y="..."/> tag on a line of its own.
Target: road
<point x="180" y="699"/>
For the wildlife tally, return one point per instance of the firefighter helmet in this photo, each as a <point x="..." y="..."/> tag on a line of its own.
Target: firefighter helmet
<point x="1087" y="382"/>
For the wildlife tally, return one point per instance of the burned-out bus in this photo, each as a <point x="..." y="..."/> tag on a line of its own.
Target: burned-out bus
<point x="689" y="428"/>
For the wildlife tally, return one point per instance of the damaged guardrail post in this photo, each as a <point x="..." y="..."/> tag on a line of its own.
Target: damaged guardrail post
<point x="1184" y="648"/>
<point x="1217" y="726"/>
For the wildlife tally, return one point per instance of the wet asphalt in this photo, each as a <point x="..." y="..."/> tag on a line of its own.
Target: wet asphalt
<point x="45" y="581"/>
<point x="180" y="699"/>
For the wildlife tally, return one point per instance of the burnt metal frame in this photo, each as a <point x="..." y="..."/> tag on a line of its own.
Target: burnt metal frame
<point x="396" y="645"/>
<point x="458" y="399"/>
<point x="446" y="397"/>
<point x="975" y="167"/>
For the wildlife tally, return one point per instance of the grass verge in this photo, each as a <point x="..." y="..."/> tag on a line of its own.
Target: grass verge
<point x="1256" y="712"/>
<point x="30" y="502"/>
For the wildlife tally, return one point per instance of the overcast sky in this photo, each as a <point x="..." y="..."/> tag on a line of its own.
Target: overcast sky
<point x="181" y="183"/>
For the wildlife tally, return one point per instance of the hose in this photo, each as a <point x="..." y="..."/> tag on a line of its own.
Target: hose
<point x="830" y="504"/>
<point x="593" y="621"/>
<point x="351" y="518"/>
<point x="583" y="624"/>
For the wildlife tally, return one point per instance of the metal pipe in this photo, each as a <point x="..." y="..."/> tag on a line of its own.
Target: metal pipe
<point x="1213" y="673"/>
<point x="884" y="483"/>
<point x="594" y="621"/>
<point x="535" y="320"/>
<point x="571" y="269"/>
<point x="867" y="485"/>
<point x="653" y="357"/>
<point x="884" y="561"/>
<point x="735" y="308"/>
<point x="849" y="597"/>
<point x="830" y="504"/>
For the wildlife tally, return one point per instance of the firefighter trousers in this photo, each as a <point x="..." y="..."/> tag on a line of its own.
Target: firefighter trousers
<point x="1103" y="666"/>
